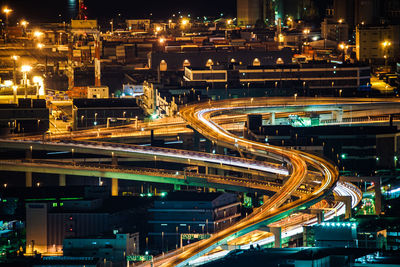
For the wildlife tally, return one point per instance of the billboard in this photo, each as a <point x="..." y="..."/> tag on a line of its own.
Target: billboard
<point x="83" y="24"/>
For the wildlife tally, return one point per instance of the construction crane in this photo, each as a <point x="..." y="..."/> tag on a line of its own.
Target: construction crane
<point x="82" y="14"/>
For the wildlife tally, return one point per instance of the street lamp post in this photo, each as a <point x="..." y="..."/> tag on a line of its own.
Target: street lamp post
<point x="25" y="69"/>
<point x="386" y="45"/>
<point x="344" y="48"/>
<point x="15" y="88"/>
<point x="6" y="11"/>
<point x="15" y="58"/>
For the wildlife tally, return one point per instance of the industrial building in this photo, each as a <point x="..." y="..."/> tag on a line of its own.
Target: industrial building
<point x="29" y="116"/>
<point x="48" y="223"/>
<point x="112" y="247"/>
<point x="309" y="78"/>
<point x="377" y="43"/>
<point x="191" y="213"/>
<point x="170" y="61"/>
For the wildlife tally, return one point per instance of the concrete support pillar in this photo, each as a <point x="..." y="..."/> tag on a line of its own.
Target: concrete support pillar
<point x="320" y="216"/>
<point x="206" y="170"/>
<point x="277" y="232"/>
<point x="28" y="179"/>
<point x="337" y="115"/>
<point x="62" y="180"/>
<point x="28" y="175"/>
<point x="347" y="202"/>
<point x="220" y="150"/>
<point x="378" y="197"/>
<point x="272" y="118"/>
<point x="114" y="181"/>
<point x="196" y="140"/>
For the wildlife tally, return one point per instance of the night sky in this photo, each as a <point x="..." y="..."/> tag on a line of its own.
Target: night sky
<point x="49" y="10"/>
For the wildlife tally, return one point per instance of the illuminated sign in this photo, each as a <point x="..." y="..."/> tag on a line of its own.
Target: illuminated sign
<point x="83" y="24"/>
<point x="195" y="236"/>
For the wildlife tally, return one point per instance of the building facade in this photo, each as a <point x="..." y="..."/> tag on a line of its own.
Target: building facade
<point x="249" y="11"/>
<point x="113" y="248"/>
<point x="378" y="43"/>
<point x="191" y="213"/>
<point x="47" y="225"/>
<point x="178" y="61"/>
<point x="308" y="76"/>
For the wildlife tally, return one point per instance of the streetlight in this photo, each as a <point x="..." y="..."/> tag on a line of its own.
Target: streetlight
<point x="344" y="48"/>
<point x="14" y="58"/>
<point x="386" y="44"/>
<point x="38" y="81"/>
<point x="184" y="24"/>
<point x="15" y="88"/>
<point x="40" y="45"/>
<point x="25" y="69"/>
<point x="38" y="34"/>
<point x="306" y="32"/>
<point x="24" y="23"/>
<point x="6" y="11"/>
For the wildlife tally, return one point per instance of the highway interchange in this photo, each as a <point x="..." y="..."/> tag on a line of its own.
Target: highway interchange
<point x="295" y="166"/>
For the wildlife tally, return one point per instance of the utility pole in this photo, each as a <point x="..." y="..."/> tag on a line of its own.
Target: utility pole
<point x="97" y="64"/>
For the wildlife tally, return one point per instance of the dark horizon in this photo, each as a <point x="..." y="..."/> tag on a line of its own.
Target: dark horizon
<point x="49" y="11"/>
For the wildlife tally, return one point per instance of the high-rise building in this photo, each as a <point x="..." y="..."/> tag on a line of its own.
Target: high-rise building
<point x="249" y="11"/>
<point x="343" y="11"/>
<point x="377" y="43"/>
<point x="391" y="11"/>
<point x="367" y="12"/>
<point x="269" y="11"/>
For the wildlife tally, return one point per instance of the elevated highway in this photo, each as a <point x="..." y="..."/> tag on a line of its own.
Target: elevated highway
<point x="296" y="165"/>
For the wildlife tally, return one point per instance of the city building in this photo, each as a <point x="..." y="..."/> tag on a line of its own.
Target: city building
<point x="336" y="234"/>
<point x="252" y="12"/>
<point x="113" y="247"/>
<point x="97" y="92"/>
<point x="358" y="149"/>
<point x="29" y="116"/>
<point x="191" y="213"/>
<point x="199" y="58"/>
<point x="159" y="100"/>
<point x="335" y="30"/>
<point x="378" y="43"/>
<point x="249" y="12"/>
<point x="48" y="223"/>
<point x="319" y="77"/>
<point x="92" y="112"/>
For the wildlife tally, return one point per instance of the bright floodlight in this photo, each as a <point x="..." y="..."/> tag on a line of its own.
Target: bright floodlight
<point x="26" y="68"/>
<point x="6" y="10"/>
<point x="38" y="34"/>
<point x="8" y="83"/>
<point x="185" y="22"/>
